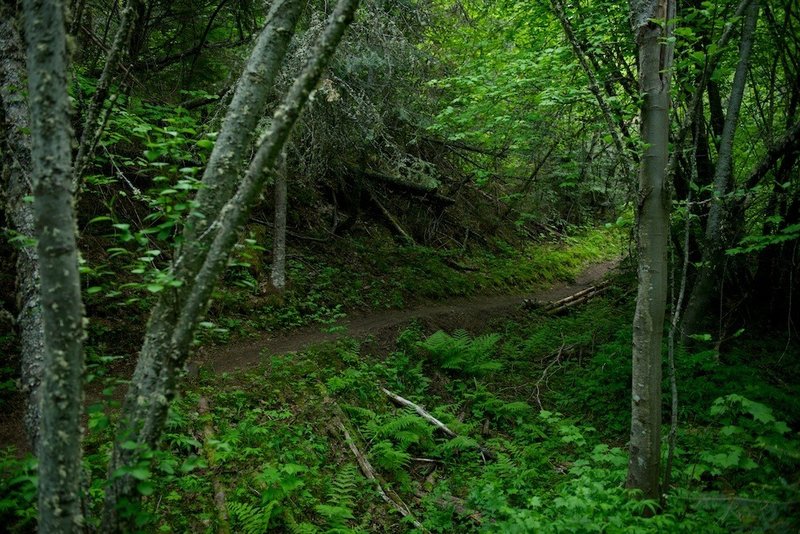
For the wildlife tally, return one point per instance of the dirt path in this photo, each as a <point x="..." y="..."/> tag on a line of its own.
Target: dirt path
<point x="473" y="313"/>
<point x="468" y="313"/>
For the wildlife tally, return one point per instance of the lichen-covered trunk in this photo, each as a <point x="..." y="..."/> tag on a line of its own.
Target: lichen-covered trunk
<point x="278" y="275"/>
<point x="62" y="313"/>
<point x="16" y="169"/>
<point x="651" y="20"/>
<point x="716" y="237"/>
<point x="205" y="253"/>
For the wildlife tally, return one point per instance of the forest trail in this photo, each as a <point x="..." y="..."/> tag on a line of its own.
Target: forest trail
<point x="472" y="313"/>
<point x="384" y="325"/>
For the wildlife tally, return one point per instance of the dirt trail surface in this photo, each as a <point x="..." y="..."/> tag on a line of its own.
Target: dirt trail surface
<point x="468" y="313"/>
<point x="472" y="314"/>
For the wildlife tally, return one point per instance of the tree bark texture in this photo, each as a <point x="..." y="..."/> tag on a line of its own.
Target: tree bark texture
<point x="16" y="174"/>
<point x="651" y="21"/>
<point x="715" y="238"/>
<point x="62" y="313"/>
<point x="171" y="326"/>
<point x="151" y="388"/>
<point x="278" y="275"/>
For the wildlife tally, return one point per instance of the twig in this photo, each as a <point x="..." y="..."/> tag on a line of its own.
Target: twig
<point x="538" y="384"/>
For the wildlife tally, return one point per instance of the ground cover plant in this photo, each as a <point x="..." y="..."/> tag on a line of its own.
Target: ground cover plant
<point x="529" y="455"/>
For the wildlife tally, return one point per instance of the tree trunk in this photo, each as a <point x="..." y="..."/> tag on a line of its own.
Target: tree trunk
<point x="17" y="169"/>
<point x="94" y="124"/>
<point x="171" y="326"/>
<point x="278" y="276"/>
<point x="655" y="62"/>
<point x="59" y="449"/>
<point x="715" y="239"/>
<point x="151" y="388"/>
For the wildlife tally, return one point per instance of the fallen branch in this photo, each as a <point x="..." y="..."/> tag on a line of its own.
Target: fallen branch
<point x="575" y="299"/>
<point x="219" y="490"/>
<point x="545" y="377"/>
<point x="387" y="495"/>
<point x="432" y="420"/>
<point x="391" y="219"/>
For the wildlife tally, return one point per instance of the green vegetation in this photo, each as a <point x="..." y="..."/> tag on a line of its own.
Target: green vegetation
<point x="563" y="237"/>
<point x="284" y="464"/>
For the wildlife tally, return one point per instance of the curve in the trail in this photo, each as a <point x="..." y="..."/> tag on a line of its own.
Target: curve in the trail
<point x="468" y="313"/>
<point x="460" y="311"/>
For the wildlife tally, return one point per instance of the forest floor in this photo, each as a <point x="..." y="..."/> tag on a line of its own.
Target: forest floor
<point x="382" y="326"/>
<point x="471" y="314"/>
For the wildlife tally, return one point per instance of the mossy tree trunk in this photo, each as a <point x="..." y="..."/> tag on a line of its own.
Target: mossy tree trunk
<point x="278" y="276"/>
<point x="59" y="447"/>
<point x="20" y="218"/>
<point x="209" y="241"/>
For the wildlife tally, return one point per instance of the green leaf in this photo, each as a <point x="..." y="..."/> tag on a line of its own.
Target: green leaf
<point x="140" y="473"/>
<point x="145" y="488"/>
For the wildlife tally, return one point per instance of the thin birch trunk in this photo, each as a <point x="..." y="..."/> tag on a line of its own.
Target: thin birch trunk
<point x="17" y="169"/>
<point x="171" y="327"/>
<point x="151" y="388"/>
<point x="651" y="21"/>
<point x="278" y="275"/>
<point x="59" y="450"/>
<point x="715" y="240"/>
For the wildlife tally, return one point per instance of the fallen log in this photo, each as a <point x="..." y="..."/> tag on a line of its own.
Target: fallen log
<point x="559" y="305"/>
<point x="395" y="224"/>
<point x="582" y="300"/>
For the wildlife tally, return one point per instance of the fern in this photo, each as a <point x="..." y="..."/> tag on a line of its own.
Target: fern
<point x="299" y="528"/>
<point x="249" y="518"/>
<point x="460" y="353"/>
<point x="511" y="410"/>
<point x="458" y="444"/>
<point x="385" y="456"/>
<point x="343" y="488"/>
<point x="360" y="414"/>
<point x="401" y="426"/>
<point x="341" y="499"/>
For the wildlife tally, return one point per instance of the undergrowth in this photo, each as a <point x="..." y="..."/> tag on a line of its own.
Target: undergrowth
<point x="539" y="411"/>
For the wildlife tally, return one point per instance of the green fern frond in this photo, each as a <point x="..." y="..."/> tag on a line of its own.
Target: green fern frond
<point x="458" y="444"/>
<point x="408" y="422"/>
<point x="385" y="456"/>
<point x="460" y="353"/>
<point x="249" y="518"/>
<point x="343" y="488"/>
